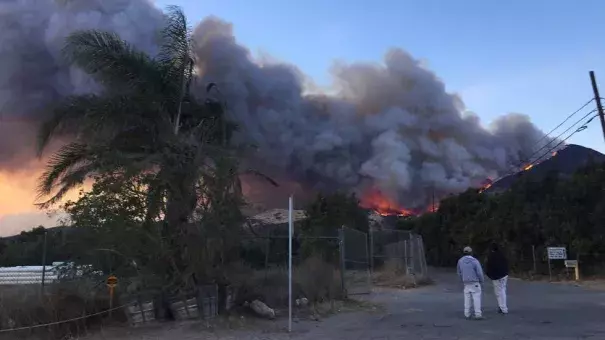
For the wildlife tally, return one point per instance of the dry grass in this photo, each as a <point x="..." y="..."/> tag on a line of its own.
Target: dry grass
<point x="26" y="305"/>
<point x="393" y="276"/>
<point x="318" y="281"/>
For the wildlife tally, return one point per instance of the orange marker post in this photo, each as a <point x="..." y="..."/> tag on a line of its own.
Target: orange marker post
<point x="111" y="282"/>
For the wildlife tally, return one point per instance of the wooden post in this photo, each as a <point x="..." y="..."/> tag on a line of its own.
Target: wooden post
<point x="549" y="269"/>
<point x="577" y="271"/>
<point x="597" y="99"/>
<point x="111" y="288"/>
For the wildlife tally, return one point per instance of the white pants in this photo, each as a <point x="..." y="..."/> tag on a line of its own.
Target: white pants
<point x="472" y="295"/>
<point x="500" y="291"/>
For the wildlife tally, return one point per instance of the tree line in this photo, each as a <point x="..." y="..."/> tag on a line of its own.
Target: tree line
<point x="554" y="211"/>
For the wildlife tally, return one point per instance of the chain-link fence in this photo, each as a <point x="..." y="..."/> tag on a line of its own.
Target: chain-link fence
<point x="333" y="266"/>
<point x="328" y="263"/>
<point x="397" y="251"/>
<point x="355" y="262"/>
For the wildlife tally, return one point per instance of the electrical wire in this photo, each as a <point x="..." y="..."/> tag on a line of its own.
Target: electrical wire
<point x="580" y="129"/>
<point x="563" y="122"/>
<point x="557" y="137"/>
<point x="515" y="168"/>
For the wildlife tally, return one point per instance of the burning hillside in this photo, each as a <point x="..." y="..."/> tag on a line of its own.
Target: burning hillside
<point x="382" y="205"/>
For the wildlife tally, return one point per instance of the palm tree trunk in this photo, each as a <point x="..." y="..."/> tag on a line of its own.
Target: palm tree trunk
<point x="185" y="83"/>
<point x="181" y="203"/>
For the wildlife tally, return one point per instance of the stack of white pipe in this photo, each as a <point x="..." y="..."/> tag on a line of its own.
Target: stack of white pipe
<point x="27" y="275"/>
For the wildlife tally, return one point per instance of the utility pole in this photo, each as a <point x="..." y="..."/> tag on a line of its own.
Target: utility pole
<point x="597" y="98"/>
<point x="433" y="202"/>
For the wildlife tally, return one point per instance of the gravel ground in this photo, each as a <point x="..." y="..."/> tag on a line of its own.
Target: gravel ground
<point x="538" y="310"/>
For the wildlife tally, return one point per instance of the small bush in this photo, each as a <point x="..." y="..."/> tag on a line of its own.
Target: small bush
<point x="314" y="279"/>
<point x="318" y="281"/>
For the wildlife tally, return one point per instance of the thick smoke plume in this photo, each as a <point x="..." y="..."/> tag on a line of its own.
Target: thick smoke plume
<point x="388" y="126"/>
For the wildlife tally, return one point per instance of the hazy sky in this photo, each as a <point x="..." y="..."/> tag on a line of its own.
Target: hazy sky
<point x="522" y="56"/>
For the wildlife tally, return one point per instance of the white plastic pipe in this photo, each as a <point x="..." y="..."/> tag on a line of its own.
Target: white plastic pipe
<point x="290" y="232"/>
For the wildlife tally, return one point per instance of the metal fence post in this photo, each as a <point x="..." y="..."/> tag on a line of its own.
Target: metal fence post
<point x="371" y="254"/>
<point x="368" y="258"/>
<point x="341" y="237"/>
<point x="405" y="256"/>
<point x="44" y="261"/>
<point x="533" y="255"/>
<point x="423" y="253"/>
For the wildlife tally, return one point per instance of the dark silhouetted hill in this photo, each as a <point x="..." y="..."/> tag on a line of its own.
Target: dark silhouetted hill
<point x="564" y="163"/>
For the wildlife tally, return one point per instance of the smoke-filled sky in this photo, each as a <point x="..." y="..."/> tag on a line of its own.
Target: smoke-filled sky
<point x="390" y="123"/>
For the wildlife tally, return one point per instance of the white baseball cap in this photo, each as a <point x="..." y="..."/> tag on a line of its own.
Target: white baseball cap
<point x="468" y="250"/>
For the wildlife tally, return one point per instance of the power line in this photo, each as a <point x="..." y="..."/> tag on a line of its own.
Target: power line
<point x="580" y="129"/>
<point x="562" y="133"/>
<point x="563" y="122"/>
<point x="549" y="151"/>
<point x="515" y="168"/>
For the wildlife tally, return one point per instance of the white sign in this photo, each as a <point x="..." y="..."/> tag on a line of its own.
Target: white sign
<point x="557" y="253"/>
<point x="571" y="263"/>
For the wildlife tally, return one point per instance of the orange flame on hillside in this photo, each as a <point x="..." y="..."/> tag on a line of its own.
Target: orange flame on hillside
<point x="375" y="200"/>
<point x="433" y="208"/>
<point x="488" y="182"/>
<point x="486" y="185"/>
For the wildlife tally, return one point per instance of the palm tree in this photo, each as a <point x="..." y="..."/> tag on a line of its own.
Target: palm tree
<point x="144" y="120"/>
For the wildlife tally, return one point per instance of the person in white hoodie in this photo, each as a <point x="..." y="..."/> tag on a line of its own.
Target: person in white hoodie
<point x="471" y="275"/>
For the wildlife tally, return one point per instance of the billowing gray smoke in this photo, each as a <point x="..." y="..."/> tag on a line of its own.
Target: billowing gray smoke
<point x="32" y="74"/>
<point x="390" y="126"/>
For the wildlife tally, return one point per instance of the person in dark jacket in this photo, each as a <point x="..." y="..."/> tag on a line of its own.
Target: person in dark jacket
<point x="497" y="271"/>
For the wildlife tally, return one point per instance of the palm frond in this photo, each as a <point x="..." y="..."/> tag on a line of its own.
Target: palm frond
<point x="262" y="176"/>
<point x="100" y="118"/>
<point x="176" y="48"/>
<point x="65" y="169"/>
<point x="70" y="180"/>
<point x="113" y="62"/>
<point x="176" y="57"/>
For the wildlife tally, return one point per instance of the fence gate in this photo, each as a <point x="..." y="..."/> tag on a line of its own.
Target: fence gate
<point x="397" y="251"/>
<point x="355" y="262"/>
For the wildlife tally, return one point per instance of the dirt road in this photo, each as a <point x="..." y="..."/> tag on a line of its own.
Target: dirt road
<point x="537" y="311"/>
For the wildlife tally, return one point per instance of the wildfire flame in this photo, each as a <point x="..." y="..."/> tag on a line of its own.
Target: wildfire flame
<point x="375" y="200"/>
<point x="486" y="185"/>
<point x="433" y="208"/>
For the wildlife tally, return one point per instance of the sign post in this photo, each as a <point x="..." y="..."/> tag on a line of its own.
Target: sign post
<point x="573" y="264"/>
<point x="555" y="253"/>
<point x="111" y="282"/>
